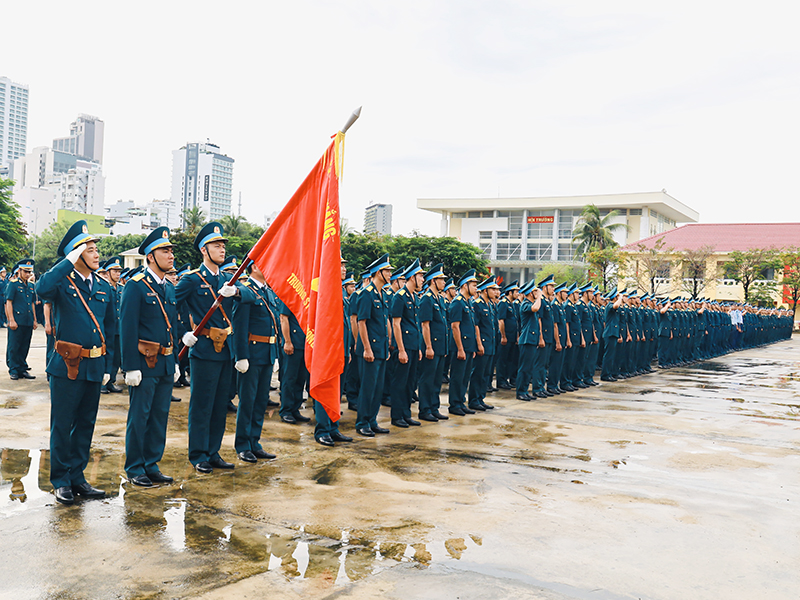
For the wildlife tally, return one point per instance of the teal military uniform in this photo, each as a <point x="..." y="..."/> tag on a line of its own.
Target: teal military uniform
<point x="461" y="369"/>
<point x="433" y="311"/>
<point x="20" y="295"/>
<point x="74" y="400"/>
<point x="115" y="262"/>
<point x="480" y="380"/>
<point x="403" y="378"/>
<point x="254" y="340"/>
<point x="148" y="314"/>
<point x="210" y="369"/>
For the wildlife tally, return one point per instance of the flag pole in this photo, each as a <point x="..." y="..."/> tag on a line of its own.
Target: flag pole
<point x="247" y="260"/>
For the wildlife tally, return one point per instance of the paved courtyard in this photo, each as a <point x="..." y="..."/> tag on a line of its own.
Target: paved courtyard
<point x="684" y="484"/>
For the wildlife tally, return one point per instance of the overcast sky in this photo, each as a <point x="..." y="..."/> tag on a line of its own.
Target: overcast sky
<point x="461" y="98"/>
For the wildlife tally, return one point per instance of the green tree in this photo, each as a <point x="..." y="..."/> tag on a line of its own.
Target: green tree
<point x="183" y="247"/>
<point x="750" y="266"/>
<point x="696" y="273"/>
<point x="650" y="264"/>
<point x="193" y="219"/>
<point x="113" y="245"/>
<point x="13" y="242"/>
<point x="605" y="266"/>
<point x="562" y="272"/>
<point x="235" y="225"/>
<point x="47" y="246"/>
<point x="359" y="250"/>
<point x="791" y="276"/>
<point x="593" y="232"/>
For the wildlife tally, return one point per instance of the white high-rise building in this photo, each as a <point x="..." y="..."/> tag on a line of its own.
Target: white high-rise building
<point x="378" y="219"/>
<point x="203" y="177"/>
<point x="85" y="139"/>
<point x="13" y="123"/>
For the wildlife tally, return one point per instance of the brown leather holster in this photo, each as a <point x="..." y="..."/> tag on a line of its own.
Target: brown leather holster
<point x="74" y="353"/>
<point x="217" y="336"/>
<point x="150" y="351"/>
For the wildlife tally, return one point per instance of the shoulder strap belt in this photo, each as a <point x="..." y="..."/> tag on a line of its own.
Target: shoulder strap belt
<point x="88" y="310"/>
<point x="214" y="293"/>
<point x="161" y="305"/>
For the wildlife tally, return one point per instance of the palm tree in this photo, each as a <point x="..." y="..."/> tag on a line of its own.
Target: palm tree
<point x="593" y="232"/>
<point x="235" y="225"/>
<point x="193" y="219"/>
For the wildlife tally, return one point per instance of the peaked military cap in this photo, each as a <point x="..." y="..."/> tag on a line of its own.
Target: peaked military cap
<point x="561" y="287"/>
<point x="449" y="284"/>
<point x="514" y="285"/>
<point x="230" y="263"/>
<point x="77" y="234"/>
<point x="435" y="272"/>
<point x="487" y="283"/>
<point x="379" y="264"/>
<point x="467" y="277"/>
<point x="633" y="293"/>
<point x="549" y="280"/>
<point x="348" y="279"/>
<point x="158" y="238"/>
<point x="398" y="273"/>
<point x="586" y="288"/>
<point x="211" y="232"/>
<point x="184" y="269"/>
<point x="364" y="275"/>
<point x="412" y="269"/>
<point x="613" y="293"/>
<point x="115" y="262"/>
<point x="124" y="273"/>
<point x="572" y="288"/>
<point x="26" y="264"/>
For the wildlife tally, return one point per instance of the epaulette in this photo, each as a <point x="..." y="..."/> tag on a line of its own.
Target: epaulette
<point x="369" y="288"/>
<point x="478" y="300"/>
<point x="137" y="277"/>
<point x="197" y="270"/>
<point x="402" y="292"/>
<point x="246" y="282"/>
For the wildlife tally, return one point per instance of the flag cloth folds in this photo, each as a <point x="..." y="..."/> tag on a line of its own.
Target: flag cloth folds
<point x="300" y="258"/>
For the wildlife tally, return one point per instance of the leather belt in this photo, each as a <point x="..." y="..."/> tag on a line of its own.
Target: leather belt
<point x="93" y="352"/>
<point x="251" y="337"/>
<point x="165" y="350"/>
<point x="206" y="332"/>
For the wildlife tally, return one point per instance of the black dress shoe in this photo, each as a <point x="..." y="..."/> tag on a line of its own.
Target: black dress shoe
<point x="87" y="491"/>
<point x="554" y="391"/>
<point x="102" y="389"/>
<point x="540" y="395"/>
<point x="263" y="454"/>
<point x="177" y="384"/>
<point x="477" y="407"/>
<point x="386" y="402"/>
<point x="607" y="379"/>
<point x="300" y="418"/>
<point x="351" y="406"/>
<point x="340" y="437"/>
<point x="141" y="481"/>
<point x="365" y="431"/>
<point x="247" y="456"/>
<point x="413" y="423"/>
<point x="204" y="467"/>
<point x="593" y="383"/>
<point x="175" y="399"/>
<point x="486" y="406"/>
<point x="159" y="477"/>
<point x="289" y="419"/>
<point x="379" y="430"/>
<point x="468" y="410"/>
<point x="440" y="416"/>
<point x="525" y="397"/>
<point x="26" y="375"/>
<point x="231" y="406"/>
<point x="429" y="417"/>
<point x="325" y="440"/>
<point x="218" y="463"/>
<point x="399" y="423"/>
<point x="183" y="381"/>
<point x="113" y="388"/>
<point x="272" y="404"/>
<point x="64" y="495"/>
<point x="456" y="411"/>
<point x="505" y="386"/>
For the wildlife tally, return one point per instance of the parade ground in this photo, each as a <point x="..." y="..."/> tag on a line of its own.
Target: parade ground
<point x="683" y="484"/>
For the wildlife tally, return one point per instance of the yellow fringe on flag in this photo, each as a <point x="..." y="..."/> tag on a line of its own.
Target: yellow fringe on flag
<point x="338" y="153"/>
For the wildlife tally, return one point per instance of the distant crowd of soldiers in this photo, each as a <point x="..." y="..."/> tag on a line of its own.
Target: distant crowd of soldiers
<point x="406" y="333"/>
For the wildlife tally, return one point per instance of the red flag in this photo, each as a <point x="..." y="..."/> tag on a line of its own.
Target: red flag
<point x="300" y="258"/>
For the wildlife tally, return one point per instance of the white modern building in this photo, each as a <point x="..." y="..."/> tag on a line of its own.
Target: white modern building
<point x="125" y="216"/>
<point x="13" y="124"/>
<point x="85" y="139"/>
<point x="520" y="235"/>
<point x="378" y="219"/>
<point x="203" y="177"/>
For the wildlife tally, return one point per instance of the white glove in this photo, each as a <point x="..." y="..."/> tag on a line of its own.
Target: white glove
<point x="189" y="339"/>
<point x="133" y="378"/>
<point x="177" y="373"/>
<point x="76" y="254"/>
<point x="106" y="378"/>
<point x="242" y="365"/>
<point x="227" y="290"/>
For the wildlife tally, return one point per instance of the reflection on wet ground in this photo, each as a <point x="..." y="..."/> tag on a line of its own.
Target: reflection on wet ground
<point x="604" y="493"/>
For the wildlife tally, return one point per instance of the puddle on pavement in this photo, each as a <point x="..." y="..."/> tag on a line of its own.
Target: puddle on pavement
<point x="11" y="403"/>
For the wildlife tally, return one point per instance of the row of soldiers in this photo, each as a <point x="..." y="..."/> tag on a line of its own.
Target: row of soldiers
<point x="426" y="327"/>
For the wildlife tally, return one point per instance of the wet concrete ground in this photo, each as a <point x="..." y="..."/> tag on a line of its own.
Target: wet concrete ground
<point x="681" y="484"/>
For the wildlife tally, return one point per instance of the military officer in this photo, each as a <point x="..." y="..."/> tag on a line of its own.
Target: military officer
<point x="255" y="350"/>
<point x="590" y="334"/>
<point x="294" y="374"/>
<point x="480" y="379"/>
<point x="466" y="341"/>
<point x="184" y="325"/>
<point x="148" y="336"/>
<point x="85" y="324"/>
<point x="509" y="333"/>
<point x="21" y="317"/>
<point x="611" y="335"/>
<point x="531" y="341"/>
<point x="113" y="268"/>
<point x="353" y="382"/>
<point x="373" y="346"/>
<point x="209" y="355"/>
<point x="548" y="286"/>
<point x="562" y="341"/>
<point x="433" y="321"/>
<point x="3" y="282"/>
<point x="448" y="294"/>
<point x="406" y="334"/>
